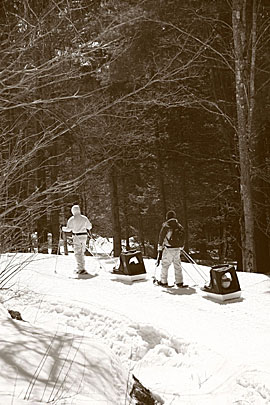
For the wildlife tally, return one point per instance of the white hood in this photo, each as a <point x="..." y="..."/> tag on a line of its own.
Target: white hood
<point x="75" y="210"/>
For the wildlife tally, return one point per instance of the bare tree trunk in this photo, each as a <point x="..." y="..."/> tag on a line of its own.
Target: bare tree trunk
<point x="185" y="209"/>
<point x="125" y="211"/>
<point x="83" y="164"/>
<point x="42" y="224"/>
<point x="160" y="177"/>
<point x="115" y="212"/>
<point x="55" y="211"/>
<point x="244" y="125"/>
<point x="141" y="233"/>
<point x="223" y="243"/>
<point x="65" y="243"/>
<point x="262" y="198"/>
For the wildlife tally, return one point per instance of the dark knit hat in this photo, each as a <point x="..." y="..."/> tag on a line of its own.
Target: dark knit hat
<point x="170" y="214"/>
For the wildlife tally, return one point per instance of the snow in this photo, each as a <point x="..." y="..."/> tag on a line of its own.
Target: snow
<point x="81" y="340"/>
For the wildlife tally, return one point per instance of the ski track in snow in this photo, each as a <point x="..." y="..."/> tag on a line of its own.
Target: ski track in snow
<point x="145" y="338"/>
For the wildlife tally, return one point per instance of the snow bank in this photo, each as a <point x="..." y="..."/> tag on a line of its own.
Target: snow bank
<point x="41" y="366"/>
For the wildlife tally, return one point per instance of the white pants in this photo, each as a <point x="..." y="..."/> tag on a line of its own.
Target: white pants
<point x="171" y="256"/>
<point x="79" y="245"/>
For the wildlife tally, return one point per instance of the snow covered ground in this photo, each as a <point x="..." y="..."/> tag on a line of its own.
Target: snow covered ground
<point x="83" y="339"/>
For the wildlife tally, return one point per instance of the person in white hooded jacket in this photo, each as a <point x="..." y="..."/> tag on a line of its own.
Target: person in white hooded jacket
<point x="80" y="226"/>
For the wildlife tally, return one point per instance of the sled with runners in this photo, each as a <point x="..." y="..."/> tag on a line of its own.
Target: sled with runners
<point x="224" y="284"/>
<point x="131" y="267"/>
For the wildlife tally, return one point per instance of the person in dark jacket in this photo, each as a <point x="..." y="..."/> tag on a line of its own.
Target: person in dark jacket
<point x="170" y="243"/>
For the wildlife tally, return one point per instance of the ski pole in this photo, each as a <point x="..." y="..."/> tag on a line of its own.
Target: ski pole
<point x="155" y="274"/>
<point x="159" y="257"/>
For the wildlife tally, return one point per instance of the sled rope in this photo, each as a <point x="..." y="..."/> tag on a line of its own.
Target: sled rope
<point x="187" y="273"/>
<point x="106" y="254"/>
<point x="194" y="264"/>
<point x="95" y="253"/>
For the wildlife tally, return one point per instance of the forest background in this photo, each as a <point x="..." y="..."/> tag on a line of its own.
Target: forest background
<point x="131" y="108"/>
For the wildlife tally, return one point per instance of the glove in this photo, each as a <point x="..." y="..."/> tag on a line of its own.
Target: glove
<point x="159" y="258"/>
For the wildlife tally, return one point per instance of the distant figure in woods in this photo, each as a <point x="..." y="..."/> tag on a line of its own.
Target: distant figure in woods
<point x="80" y="227"/>
<point x="171" y="240"/>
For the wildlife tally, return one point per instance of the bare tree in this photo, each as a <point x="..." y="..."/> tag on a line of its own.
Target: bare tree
<point x="245" y="99"/>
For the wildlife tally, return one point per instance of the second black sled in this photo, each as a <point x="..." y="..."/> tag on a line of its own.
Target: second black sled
<point x="131" y="267"/>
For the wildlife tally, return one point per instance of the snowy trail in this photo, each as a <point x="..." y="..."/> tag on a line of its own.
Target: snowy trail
<point x="137" y="303"/>
<point x="209" y="350"/>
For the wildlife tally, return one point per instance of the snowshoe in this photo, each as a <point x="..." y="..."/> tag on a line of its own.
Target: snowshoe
<point x="164" y="285"/>
<point x="207" y="288"/>
<point x="158" y="282"/>
<point x="81" y="272"/>
<point x="181" y="285"/>
<point x="83" y="276"/>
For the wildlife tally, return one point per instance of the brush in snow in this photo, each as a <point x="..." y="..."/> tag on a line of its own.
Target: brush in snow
<point x="224" y="284"/>
<point x="143" y="395"/>
<point x="131" y="267"/>
<point x="15" y="315"/>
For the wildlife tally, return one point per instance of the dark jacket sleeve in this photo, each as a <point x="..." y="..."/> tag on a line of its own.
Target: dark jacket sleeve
<point x="181" y="227"/>
<point x="162" y="234"/>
